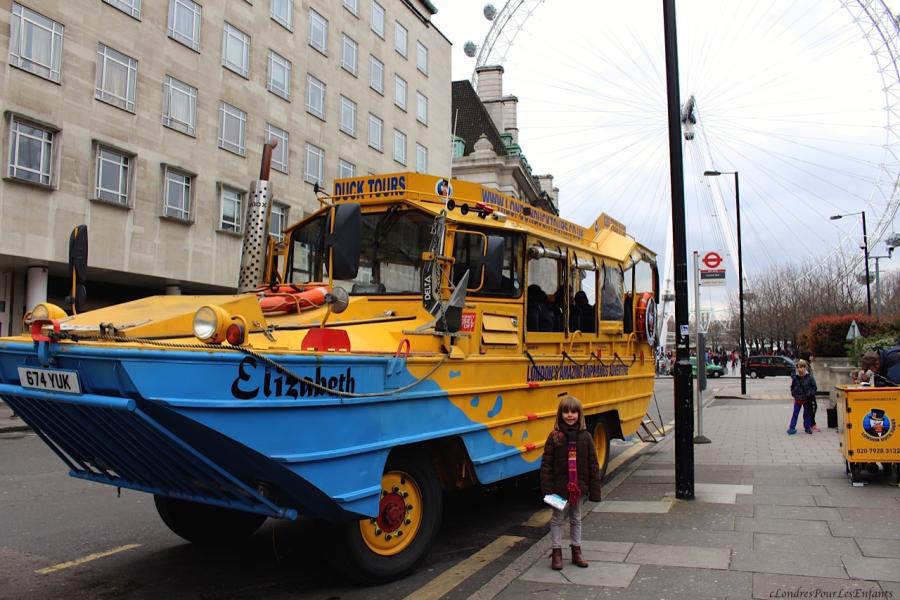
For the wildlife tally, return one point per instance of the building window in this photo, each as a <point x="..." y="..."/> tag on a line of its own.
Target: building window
<point x="179" y="106"/>
<point x="231" y="202"/>
<point x="315" y="164"/>
<point x="113" y="175"/>
<point x="283" y="13"/>
<point x="279" y="82"/>
<point x="318" y="31"/>
<point x="282" y="153"/>
<point x="400" y="147"/>
<point x="129" y="7"/>
<point x="346" y="169"/>
<point x="400" y="39"/>
<point x="376" y="74"/>
<point x="116" y="76"/>
<point x="421" y="108"/>
<point x="31" y="148"/>
<point x="400" y="92"/>
<point x="421" y="158"/>
<point x="184" y="23"/>
<point x="232" y="128"/>
<point x="278" y="221"/>
<point x="421" y="57"/>
<point x="376" y="132"/>
<point x="352" y="6"/>
<point x="35" y="43"/>
<point x="315" y="97"/>
<point x="348" y="116"/>
<point x="378" y="19"/>
<point x="178" y="194"/>
<point x="349" y="53"/>
<point x="236" y="50"/>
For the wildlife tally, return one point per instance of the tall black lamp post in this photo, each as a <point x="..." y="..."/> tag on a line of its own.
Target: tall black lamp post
<point x="737" y="204"/>
<point x="865" y="249"/>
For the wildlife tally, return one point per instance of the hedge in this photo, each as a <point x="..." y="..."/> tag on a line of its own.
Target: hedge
<point x="827" y="334"/>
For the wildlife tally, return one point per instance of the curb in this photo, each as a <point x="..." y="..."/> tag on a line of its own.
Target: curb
<point x="14" y="428"/>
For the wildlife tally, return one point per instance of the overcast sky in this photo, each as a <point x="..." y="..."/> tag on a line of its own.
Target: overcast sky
<point x="788" y="94"/>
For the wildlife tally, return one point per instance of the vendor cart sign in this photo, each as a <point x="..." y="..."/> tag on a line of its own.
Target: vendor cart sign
<point x="877" y="425"/>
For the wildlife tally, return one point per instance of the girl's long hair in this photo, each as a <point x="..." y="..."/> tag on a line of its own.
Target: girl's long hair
<point x="571" y="404"/>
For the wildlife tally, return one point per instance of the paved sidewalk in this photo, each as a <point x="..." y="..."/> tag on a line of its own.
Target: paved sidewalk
<point x="8" y="422"/>
<point x="774" y="516"/>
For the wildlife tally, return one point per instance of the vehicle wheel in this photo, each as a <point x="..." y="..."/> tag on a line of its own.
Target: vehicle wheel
<point x="753" y="375"/>
<point x="601" y="445"/>
<point x="205" y="524"/>
<point x="387" y="547"/>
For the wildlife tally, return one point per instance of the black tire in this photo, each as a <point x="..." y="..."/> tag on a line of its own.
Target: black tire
<point x="205" y="524"/>
<point x="600" y="433"/>
<point x="352" y="555"/>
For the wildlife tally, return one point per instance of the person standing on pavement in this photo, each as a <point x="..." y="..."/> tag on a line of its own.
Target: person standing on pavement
<point x="570" y="469"/>
<point x="803" y="390"/>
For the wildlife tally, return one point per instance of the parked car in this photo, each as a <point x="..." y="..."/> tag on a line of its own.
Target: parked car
<point x="765" y="366"/>
<point x="712" y="369"/>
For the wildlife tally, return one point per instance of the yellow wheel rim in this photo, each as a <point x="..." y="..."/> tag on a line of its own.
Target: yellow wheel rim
<point x="399" y="515"/>
<point x="600" y="443"/>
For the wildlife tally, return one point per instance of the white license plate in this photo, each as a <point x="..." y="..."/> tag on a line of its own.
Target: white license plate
<point x="52" y="380"/>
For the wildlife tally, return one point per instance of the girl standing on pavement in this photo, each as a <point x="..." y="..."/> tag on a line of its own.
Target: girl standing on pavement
<point x="803" y="390"/>
<point x="570" y="469"/>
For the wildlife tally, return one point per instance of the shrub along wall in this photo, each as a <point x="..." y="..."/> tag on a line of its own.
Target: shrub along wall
<point x="827" y="334"/>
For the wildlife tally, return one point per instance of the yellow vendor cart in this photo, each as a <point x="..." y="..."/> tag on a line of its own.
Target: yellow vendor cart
<point x="867" y="424"/>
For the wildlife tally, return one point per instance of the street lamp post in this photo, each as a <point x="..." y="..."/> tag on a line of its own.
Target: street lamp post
<point x="865" y="248"/>
<point x="737" y="205"/>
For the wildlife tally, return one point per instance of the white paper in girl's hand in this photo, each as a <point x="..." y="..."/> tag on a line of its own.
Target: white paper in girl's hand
<point x="556" y="501"/>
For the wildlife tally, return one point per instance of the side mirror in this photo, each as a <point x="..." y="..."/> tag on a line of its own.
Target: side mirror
<point x="343" y="231"/>
<point x="483" y="259"/>
<point x="493" y="262"/>
<point x="78" y="257"/>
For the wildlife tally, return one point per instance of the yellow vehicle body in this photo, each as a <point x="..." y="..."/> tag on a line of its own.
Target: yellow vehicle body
<point x="867" y="424"/>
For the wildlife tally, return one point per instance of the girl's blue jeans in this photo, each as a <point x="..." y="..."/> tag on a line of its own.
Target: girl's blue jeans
<point x="807" y="414"/>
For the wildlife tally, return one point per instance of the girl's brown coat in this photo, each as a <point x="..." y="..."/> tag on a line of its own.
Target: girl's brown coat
<point x="555" y="465"/>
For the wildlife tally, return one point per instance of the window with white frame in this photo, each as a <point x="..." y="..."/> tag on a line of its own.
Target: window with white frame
<point x="348" y="116"/>
<point x="400" y="146"/>
<point x="421" y="108"/>
<point x="283" y="13"/>
<point x="278" y="220"/>
<point x="400" y="91"/>
<point x="116" y="77"/>
<point x="401" y="38"/>
<point x="281" y="154"/>
<point x="352" y="6"/>
<point x="315" y="97"/>
<point x="378" y="19"/>
<point x="376" y="132"/>
<point x="129" y="7"/>
<point x="236" y="50"/>
<point x="32" y="149"/>
<point x="421" y="57"/>
<point x="232" y="128"/>
<point x="179" y="106"/>
<point x="421" y="158"/>
<point x="376" y="74"/>
<point x="346" y="169"/>
<point x="349" y="53"/>
<point x="231" y="201"/>
<point x="184" y="23"/>
<point x="279" y="80"/>
<point x="315" y="164"/>
<point x="113" y="178"/>
<point x="318" y="31"/>
<point x="178" y="194"/>
<point x="35" y="43"/>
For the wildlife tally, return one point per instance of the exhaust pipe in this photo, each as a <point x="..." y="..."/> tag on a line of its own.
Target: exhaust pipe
<point x="256" y="236"/>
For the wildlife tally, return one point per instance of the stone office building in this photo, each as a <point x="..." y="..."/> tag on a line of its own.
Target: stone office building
<point x="145" y="120"/>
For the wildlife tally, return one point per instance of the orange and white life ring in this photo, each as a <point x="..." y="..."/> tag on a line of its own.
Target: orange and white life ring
<point x="292" y="298"/>
<point x="646" y="318"/>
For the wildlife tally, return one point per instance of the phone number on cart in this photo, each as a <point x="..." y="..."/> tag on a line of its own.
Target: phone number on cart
<point x="878" y="451"/>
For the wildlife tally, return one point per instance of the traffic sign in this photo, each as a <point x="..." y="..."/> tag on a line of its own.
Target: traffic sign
<point x="712" y="260"/>
<point x="712" y="274"/>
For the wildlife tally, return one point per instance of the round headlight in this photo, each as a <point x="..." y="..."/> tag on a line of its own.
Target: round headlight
<point x="45" y="311"/>
<point x="205" y="323"/>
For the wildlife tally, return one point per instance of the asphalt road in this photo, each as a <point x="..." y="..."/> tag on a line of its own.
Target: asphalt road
<point x="52" y="523"/>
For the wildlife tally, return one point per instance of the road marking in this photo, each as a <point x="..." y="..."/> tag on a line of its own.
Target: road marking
<point x="84" y="559"/>
<point x="452" y="577"/>
<point x="539" y="519"/>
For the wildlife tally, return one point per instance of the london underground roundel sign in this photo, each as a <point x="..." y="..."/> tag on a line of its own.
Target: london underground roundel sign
<point x="712" y="260"/>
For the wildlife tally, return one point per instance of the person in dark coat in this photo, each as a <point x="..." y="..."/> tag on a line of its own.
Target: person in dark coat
<point x="570" y="469"/>
<point x="803" y="390"/>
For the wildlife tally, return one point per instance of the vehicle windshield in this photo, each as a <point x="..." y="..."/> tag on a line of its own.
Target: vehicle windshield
<point x="391" y="247"/>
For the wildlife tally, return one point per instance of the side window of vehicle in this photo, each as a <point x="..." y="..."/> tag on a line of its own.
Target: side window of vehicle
<point x="585" y="279"/>
<point x="546" y="303"/>
<point x="467" y="250"/>
<point x="612" y="294"/>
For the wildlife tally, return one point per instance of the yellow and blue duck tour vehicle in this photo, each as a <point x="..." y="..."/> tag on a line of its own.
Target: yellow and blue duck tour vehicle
<point x="411" y="337"/>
